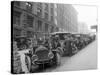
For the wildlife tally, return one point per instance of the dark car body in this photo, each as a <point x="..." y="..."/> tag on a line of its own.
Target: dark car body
<point x="21" y="42"/>
<point x="66" y="41"/>
<point x="42" y="55"/>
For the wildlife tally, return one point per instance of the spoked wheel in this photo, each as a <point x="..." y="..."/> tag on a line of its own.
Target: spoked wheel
<point x="57" y="59"/>
<point x="28" y="63"/>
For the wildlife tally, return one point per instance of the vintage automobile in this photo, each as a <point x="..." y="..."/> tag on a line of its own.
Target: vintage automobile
<point x="67" y="43"/>
<point x="86" y="39"/>
<point x="79" y="42"/>
<point x="42" y="56"/>
<point x="92" y="36"/>
<point x="21" y="42"/>
<point x="39" y="55"/>
<point x="82" y="40"/>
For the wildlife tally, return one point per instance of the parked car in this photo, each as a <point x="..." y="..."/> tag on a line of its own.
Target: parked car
<point x="43" y="56"/>
<point x="21" y="42"/>
<point x="38" y="55"/>
<point x="79" y="42"/>
<point x="92" y="36"/>
<point x="66" y="40"/>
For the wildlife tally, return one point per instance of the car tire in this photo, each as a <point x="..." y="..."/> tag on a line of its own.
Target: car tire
<point x="57" y="58"/>
<point x="28" y="63"/>
<point x="61" y="51"/>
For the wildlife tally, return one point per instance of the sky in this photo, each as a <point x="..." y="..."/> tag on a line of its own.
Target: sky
<point x="87" y="14"/>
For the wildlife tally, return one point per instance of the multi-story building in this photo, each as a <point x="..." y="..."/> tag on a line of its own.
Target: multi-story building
<point x="83" y="28"/>
<point x="33" y="18"/>
<point x="67" y="18"/>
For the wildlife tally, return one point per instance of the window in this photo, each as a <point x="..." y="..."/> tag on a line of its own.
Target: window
<point x="29" y="34"/>
<point x="46" y="27"/>
<point x="57" y="29"/>
<point x="16" y="32"/>
<point x="52" y="28"/>
<point x="46" y="16"/>
<point x="16" y="3"/>
<point x="52" y="5"/>
<point x="39" y="28"/>
<point x="29" y="7"/>
<point x="39" y="12"/>
<point x="30" y="21"/>
<point x="46" y="7"/>
<point x="23" y="33"/>
<point x="56" y="21"/>
<point x="39" y="5"/>
<point x="16" y="18"/>
<point x="52" y="18"/>
<point x="52" y="11"/>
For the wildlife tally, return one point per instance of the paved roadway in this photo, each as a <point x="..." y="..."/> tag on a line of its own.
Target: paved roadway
<point x="83" y="60"/>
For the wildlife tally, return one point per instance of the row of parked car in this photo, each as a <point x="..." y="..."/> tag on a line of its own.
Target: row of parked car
<point x="72" y="42"/>
<point x="57" y="45"/>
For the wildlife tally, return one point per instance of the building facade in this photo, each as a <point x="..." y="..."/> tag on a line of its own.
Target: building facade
<point x="83" y="28"/>
<point x="67" y="18"/>
<point x="33" y="18"/>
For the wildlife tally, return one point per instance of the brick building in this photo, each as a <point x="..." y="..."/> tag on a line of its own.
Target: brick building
<point x="33" y="18"/>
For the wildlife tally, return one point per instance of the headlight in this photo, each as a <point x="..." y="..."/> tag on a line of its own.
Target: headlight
<point x="34" y="57"/>
<point x="50" y="55"/>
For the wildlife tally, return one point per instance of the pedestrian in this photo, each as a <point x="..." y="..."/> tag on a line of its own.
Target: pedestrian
<point x="67" y="45"/>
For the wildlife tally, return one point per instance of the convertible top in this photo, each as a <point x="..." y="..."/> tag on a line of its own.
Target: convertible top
<point x="41" y="48"/>
<point x="58" y="33"/>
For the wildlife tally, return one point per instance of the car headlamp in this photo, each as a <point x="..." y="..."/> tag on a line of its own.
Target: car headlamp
<point x="34" y="57"/>
<point x="50" y="55"/>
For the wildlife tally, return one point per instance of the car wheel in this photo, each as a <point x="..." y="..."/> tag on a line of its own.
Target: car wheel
<point x="57" y="59"/>
<point x="28" y="63"/>
<point x="61" y="51"/>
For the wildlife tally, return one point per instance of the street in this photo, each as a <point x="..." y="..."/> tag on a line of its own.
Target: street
<point x="43" y="35"/>
<point x="83" y="60"/>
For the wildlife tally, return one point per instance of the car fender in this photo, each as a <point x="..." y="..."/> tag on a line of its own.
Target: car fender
<point x="58" y="50"/>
